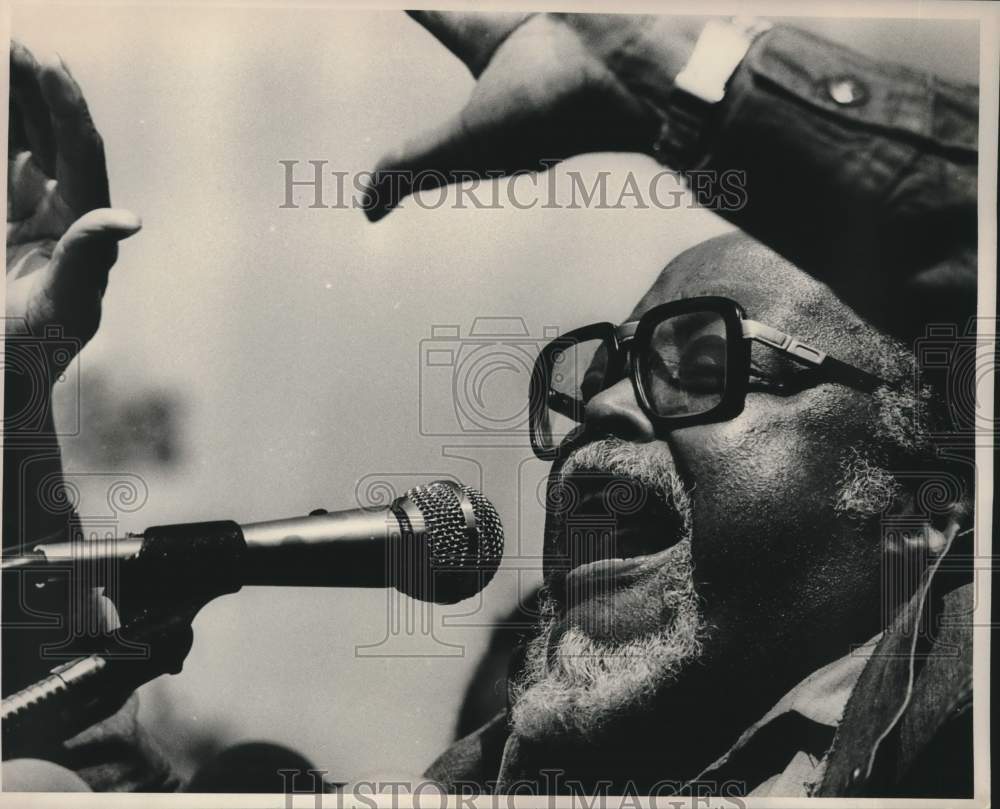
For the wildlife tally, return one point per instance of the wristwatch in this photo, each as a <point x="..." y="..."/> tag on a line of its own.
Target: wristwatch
<point x="701" y="86"/>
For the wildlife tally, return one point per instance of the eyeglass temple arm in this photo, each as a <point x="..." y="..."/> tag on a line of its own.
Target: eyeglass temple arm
<point x="834" y="368"/>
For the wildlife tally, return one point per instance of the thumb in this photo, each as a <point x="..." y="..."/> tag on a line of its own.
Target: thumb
<point x="86" y="252"/>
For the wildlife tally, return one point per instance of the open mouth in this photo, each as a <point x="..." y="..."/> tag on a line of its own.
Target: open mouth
<point x="608" y="524"/>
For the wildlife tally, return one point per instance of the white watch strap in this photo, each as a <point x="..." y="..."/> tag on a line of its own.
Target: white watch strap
<point x="719" y="50"/>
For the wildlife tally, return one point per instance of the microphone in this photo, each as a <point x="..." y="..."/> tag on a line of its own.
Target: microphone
<point x="439" y="542"/>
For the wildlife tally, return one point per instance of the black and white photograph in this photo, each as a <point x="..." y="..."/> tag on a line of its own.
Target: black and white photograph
<point x="492" y="405"/>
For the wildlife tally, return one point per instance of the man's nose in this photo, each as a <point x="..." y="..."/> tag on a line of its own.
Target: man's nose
<point x="615" y="411"/>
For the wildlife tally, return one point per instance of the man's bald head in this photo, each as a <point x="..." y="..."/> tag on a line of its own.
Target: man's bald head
<point x="782" y="506"/>
<point x="769" y="287"/>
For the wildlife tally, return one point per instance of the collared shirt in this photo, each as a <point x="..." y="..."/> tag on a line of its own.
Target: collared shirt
<point x="820" y="737"/>
<point x="784" y="753"/>
<point x="781" y="755"/>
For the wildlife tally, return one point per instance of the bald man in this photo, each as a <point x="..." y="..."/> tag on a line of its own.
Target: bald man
<point x="714" y="642"/>
<point x="742" y="628"/>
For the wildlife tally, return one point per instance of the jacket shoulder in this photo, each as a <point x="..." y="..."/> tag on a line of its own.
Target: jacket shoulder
<point x="907" y="728"/>
<point x="935" y="749"/>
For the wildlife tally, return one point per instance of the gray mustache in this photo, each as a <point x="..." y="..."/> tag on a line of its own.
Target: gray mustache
<point x="647" y="467"/>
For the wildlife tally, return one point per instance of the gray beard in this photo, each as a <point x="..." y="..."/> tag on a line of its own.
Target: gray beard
<point x="588" y="686"/>
<point x="585" y="686"/>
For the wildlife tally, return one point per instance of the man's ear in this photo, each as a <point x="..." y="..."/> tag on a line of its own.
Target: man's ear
<point x="917" y="532"/>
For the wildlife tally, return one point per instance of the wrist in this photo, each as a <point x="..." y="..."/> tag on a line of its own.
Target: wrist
<point x="35" y="359"/>
<point x="27" y="410"/>
<point x="695" y="99"/>
<point x="644" y="54"/>
<point x="36" y="504"/>
<point x="34" y="500"/>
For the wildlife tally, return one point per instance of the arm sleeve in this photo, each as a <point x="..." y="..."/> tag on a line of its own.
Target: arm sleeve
<point x="861" y="173"/>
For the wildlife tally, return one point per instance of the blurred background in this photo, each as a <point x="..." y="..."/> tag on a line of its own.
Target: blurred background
<point x="257" y="361"/>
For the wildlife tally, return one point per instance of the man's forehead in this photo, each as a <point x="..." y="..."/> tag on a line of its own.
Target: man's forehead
<point x="738" y="267"/>
<point x="773" y="291"/>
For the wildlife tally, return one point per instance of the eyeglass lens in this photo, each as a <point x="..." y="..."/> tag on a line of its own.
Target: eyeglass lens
<point x="683" y="373"/>
<point x="684" y="367"/>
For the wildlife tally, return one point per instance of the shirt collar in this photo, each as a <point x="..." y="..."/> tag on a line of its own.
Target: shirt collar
<point x="820" y="697"/>
<point x="823" y="695"/>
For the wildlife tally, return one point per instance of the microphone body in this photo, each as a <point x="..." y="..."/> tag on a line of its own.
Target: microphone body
<point x="338" y="549"/>
<point x="440" y="542"/>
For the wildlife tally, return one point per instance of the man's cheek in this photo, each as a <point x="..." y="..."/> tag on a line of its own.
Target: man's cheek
<point x="763" y="509"/>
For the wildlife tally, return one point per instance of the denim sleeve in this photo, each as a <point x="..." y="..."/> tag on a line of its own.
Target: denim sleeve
<point x="861" y="173"/>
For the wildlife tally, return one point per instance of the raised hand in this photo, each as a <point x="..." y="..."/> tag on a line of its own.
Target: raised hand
<point x="549" y="86"/>
<point x="62" y="236"/>
<point x="61" y="242"/>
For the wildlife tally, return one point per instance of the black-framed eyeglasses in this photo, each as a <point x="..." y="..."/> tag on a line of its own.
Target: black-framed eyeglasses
<point x="690" y="364"/>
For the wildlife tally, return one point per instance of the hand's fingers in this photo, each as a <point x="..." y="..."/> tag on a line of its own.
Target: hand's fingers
<point x="447" y="154"/>
<point x="26" y="186"/>
<point x="494" y="147"/>
<point x="424" y="163"/>
<point x="108" y="618"/>
<point x="85" y="254"/>
<point x="80" y="166"/>
<point x="472" y="37"/>
<point x="30" y="125"/>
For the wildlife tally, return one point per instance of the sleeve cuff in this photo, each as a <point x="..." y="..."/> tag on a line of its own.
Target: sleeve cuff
<point x="831" y="80"/>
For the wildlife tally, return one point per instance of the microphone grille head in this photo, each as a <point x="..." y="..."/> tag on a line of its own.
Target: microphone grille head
<point x="461" y="544"/>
